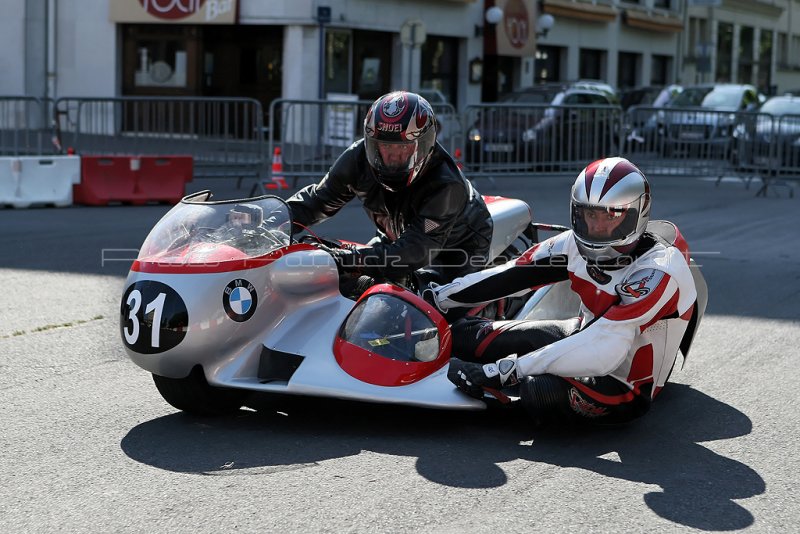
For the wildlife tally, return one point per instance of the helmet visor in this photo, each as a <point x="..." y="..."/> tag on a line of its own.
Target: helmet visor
<point x="394" y="158"/>
<point x="604" y="225"/>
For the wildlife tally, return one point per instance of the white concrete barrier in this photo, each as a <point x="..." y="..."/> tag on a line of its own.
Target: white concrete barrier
<point x="38" y="180"/>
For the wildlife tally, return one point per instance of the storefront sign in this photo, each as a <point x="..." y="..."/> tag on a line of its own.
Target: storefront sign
<point x="174" y="11"/>
<point x="516" y="34"/>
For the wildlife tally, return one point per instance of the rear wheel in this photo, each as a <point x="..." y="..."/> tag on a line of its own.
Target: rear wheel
<point x="193" y="394"/>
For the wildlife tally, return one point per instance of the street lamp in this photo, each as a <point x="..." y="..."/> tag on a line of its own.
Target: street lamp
<point x="544" y="23"/>
<point x="493" y="15"/>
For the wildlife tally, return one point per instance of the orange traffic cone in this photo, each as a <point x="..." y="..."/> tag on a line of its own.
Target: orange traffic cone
<point x="457" y="156"/>
<point x="278" y="181"/>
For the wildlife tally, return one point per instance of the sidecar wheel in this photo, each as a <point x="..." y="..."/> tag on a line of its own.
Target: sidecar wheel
<point x="193" y="394"/>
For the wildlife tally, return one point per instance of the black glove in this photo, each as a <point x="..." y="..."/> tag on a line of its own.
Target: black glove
<point x="475" y="379"/>
<point x="347" y="259"/>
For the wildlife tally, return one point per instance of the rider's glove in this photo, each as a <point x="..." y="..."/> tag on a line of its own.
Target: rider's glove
<point x="347" y="259"/>
<point x="474" y="379"/>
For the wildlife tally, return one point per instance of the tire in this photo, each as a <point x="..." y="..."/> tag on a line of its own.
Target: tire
<point x="193" y="394"/>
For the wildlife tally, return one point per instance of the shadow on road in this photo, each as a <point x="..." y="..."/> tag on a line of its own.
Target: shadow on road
<point x="698" y="486"/>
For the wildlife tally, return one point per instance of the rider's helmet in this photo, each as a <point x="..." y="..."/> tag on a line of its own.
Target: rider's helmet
<point x="610" y="208"/>
<point x="399" y="136"/>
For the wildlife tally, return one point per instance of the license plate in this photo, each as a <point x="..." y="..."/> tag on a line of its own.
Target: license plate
<point x="498" y="147"/>
<point x="692" y="136"/>
<point x="763" y="161"/>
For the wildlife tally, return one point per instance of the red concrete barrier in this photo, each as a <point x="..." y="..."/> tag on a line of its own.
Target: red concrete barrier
<point x="132" y="179"/>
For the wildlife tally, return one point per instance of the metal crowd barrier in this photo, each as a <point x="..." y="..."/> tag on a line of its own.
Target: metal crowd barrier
<point x="313" y="133"/>
<point x="524" y="139"/>
<point x="224" y="136"/>
<point x="25" y="126"/>
<point x="691" y="142"/>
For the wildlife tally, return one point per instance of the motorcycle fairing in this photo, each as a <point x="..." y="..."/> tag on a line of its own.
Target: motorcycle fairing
<point x="300" y="311"/>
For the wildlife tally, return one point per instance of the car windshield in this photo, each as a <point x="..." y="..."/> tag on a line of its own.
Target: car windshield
<point x="728" y="98"/>
<point x="198" y="230"/>
<point x="781" y="106"/>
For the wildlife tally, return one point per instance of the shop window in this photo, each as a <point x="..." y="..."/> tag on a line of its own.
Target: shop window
<point x="628" y="68"/>
<point x="765" y="61"/>
<point x="337" y="61"/>
<point x="659" y="70"/>
<point x="439" y="67"/>
<point x="159" y="59"/>
<point x="371" y="64"/>
<point x="547" y="67"/>
<point x="592" y="64"/>
<point x="725" y="52"/>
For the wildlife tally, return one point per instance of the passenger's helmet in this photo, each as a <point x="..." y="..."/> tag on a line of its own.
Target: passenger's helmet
<point x="610" y="208"/>
<point x="399" y="136"/>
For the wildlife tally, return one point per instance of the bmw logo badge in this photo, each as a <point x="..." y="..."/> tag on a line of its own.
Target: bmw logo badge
<point x="240" y="300"/>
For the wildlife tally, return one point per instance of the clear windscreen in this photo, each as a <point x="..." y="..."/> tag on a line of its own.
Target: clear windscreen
<point x="198" y="231"/>
<point x="393" y="328"/>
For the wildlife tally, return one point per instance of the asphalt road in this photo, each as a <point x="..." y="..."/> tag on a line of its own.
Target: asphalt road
<point x="88" y="445"/>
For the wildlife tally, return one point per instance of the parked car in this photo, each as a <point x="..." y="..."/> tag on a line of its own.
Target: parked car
<point x="640" y="123"/>
<point x="655" y="96"/>
<point x="770" y="140"/>
<point x="701" y="119"/>
<point x="542" y="125"/>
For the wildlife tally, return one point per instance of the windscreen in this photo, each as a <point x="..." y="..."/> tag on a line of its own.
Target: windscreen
<point x="199" y="231"/>
<point x="393" y="328"/>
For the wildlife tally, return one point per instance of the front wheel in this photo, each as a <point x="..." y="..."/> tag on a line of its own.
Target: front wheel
<point x="193" y="394"/>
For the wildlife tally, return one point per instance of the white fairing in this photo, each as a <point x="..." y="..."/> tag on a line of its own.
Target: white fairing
<point x="299" y="311"/>
<point x="510" y="217"/>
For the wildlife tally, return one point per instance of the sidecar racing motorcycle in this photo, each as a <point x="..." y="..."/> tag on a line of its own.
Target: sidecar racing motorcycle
<point x="223" y="302"/>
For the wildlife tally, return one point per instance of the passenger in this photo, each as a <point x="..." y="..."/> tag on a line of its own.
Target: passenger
<point x="637" y="300"/>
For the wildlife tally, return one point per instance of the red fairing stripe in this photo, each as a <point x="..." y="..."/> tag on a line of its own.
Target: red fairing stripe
<point x="637" y="309"/>
<point x="605" y="399"/>
<point x="490" y="199"/>
<point x="156" y="267"/>
<point x="596" y="300"/>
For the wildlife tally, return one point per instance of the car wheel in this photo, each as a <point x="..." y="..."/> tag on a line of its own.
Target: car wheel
<point x="193" y="394"/>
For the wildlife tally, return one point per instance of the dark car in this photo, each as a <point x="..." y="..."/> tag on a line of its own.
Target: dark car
<point x="640" y="105"/>
<point x="655" y="96"/>
<point x="769" y="142"/>
<point x="701" y="119"/>
<point x="553" y="125"/>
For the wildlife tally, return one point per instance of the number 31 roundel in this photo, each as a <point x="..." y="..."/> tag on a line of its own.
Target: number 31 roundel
<point x="153" y="317"/>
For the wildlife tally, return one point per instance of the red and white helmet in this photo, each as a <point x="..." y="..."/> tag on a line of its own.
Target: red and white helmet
<point x="399" y="135"/>
<point x="610" y="208"/>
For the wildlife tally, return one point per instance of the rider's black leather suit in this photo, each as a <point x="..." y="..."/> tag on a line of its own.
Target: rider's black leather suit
<point x="431" y="223"/>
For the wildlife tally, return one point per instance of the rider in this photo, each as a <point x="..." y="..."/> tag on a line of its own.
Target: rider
<point x="637" y="298"/>
<point x="426" y="212"/>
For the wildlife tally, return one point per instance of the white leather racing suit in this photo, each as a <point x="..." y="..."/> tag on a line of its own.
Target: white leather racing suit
<point x="631" y="320"/>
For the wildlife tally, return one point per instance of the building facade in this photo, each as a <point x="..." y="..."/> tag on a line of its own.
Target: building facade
<point x="307" y="49"/>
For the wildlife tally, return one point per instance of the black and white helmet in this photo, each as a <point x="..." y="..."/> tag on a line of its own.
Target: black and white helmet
<point x="609" y="208"/>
